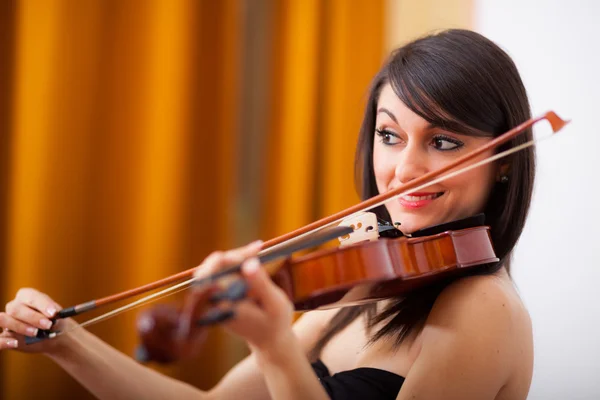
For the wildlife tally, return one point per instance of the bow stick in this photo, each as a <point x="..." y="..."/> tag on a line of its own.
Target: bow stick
<point x="283" y="252"/>
<point x="280" y="243"/>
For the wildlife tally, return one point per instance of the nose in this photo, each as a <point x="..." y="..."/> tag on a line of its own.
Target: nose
<point x="412" y="163"/>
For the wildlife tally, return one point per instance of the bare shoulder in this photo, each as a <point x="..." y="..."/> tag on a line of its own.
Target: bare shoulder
<point x="478" y="335"/>
<point x="480" y="303"/>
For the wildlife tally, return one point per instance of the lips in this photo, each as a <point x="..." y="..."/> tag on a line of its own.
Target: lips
<point x="422" y="196"/>
<point x="418" y="199"/>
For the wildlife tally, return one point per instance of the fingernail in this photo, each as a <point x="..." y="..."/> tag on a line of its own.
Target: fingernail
<point x="50" y="311"/>
<point x="251" y="266"/>
<point x="214" y="317"/>
<point x="12" y="343"/>
<point x="31" y="331"/>
<point x="45" y="323"/>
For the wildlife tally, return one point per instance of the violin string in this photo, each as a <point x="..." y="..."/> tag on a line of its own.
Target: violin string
<point x="173" y="289"/>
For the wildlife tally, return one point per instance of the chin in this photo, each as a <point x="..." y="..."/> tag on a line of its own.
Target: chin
<point x="408" y="226"/>
<point x="412" y="223"/>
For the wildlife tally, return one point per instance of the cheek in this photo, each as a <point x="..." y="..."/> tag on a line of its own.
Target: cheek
<point x="383" y="172"/>
<point x="474" y="186"/>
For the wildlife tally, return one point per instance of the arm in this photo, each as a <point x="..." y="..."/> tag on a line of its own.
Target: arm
<point x="279" y="352"/>
<point x="288" y="373"/>
<point x="103" y="370"/>
<point x="466" y="344"/>
<point x="108" y="373"/>
<point x="86" y="357"/>
<point x="251" y="375"/>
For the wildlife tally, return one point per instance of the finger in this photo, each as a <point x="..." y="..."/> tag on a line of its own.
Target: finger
<point x="38" y="301"/>
<point x="195" y="305"/>
<point x="250" y="250"/>
<point x="262" y="287"/>
<point x="208" y="265"/>
<point x="239" y="255"/>
<point x="24" y="313"/>
<point x="8" y="343"/>
<point x="198" y="299"/>
<point x="15" y="325"/>
<point x="219" y="260"/>
<point x="248" y="314"/>
<point x="249" y="321"/>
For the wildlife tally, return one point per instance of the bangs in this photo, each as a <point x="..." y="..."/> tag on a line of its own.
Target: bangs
<point x="434" y="88"/>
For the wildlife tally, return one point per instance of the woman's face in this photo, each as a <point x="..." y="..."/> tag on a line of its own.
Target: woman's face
<point x="406" y="147"/>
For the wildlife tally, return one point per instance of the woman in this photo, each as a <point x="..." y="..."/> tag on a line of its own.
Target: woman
<point x="435" y="99"/>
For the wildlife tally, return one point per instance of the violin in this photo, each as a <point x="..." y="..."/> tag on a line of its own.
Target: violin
<point x="370" y="265"/>
<point x="362" y="271"/>
<point x="374" y="261"/>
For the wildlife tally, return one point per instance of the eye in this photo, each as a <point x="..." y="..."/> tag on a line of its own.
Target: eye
<point x="446" y="143"/>
<point x="387" y="137"/>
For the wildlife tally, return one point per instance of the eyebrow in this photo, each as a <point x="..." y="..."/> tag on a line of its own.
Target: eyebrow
<point x="388" y="112"/>
<point x="393" y="117"/>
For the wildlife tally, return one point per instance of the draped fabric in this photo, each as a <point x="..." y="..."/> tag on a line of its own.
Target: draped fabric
<point x="139" y="136"/>
<point x="325" y="59"/>
<point x="118" y="174"/>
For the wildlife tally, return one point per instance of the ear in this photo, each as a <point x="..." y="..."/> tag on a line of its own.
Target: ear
<point x="503" y="172"/>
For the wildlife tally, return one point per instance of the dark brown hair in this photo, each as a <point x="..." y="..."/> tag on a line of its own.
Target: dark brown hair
<point x="462" y="81"/>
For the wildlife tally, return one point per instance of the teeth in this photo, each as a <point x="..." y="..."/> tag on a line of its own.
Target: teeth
<point x="417" y="198"/>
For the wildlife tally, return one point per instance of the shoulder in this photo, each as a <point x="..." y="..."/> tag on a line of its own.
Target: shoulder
<point x="478" y="304"/>
<point x="476" y="340"/>
<point x="480" y="318"/>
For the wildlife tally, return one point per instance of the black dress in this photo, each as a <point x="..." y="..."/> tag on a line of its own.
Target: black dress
<point x="360" y="383"/>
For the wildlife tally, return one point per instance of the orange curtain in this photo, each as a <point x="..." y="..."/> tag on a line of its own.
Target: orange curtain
<point x="324" y="57"/>
<point x="119" y="170"/>
<point x="131" y="149"/>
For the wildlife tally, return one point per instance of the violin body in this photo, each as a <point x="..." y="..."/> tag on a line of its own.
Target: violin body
<point x="356" y="274"/>
<point x="375" y="270"/>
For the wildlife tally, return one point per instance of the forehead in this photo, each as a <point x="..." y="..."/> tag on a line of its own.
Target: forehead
<point x="389" y="103"/>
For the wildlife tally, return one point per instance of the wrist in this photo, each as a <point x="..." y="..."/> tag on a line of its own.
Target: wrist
<point x="63" y="345"/>
<point x="287" y="371"/>
<point x="279" y="352"/>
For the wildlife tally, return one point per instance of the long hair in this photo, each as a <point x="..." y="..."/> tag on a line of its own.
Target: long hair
<point x="464" y="82"/>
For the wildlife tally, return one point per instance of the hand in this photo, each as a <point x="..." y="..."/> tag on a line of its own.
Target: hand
<point x="169" y="334"/>
<point x="29" y="311"/>
<point x="166" y="336"/>
<point x="264" y="318"/>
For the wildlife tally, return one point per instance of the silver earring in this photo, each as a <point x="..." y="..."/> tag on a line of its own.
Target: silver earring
<point x="504" y="179"/>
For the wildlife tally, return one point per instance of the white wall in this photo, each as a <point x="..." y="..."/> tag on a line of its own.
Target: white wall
<point x="556" y="46"/>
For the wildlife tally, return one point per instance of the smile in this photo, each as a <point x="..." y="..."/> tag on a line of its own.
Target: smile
<point x="417" y="200"/>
